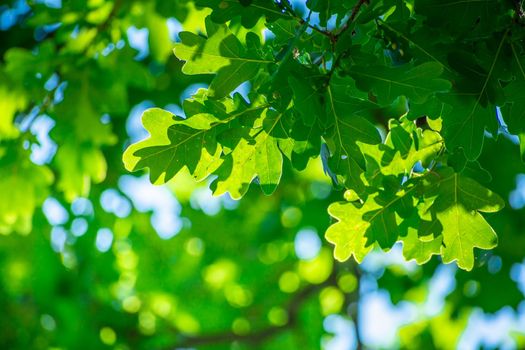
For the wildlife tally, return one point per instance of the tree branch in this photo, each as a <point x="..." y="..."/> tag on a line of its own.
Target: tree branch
<point x="519" y="8"/>
<point x="259" y="335"/>
<point x="355" y="311"/>
<point x="293" y="308"/>
<point x="43" y="106"/>
<point x="353" y="16"/>
<point x="116" y="7"/>
<point x="319" y="30"/>
<point x="351" y="19"/>
<point x="285" y="7"/>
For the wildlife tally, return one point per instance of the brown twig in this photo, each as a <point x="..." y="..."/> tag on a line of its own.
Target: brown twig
<point x="351" y="19"/>
<point x="353" y="16"/>
<point x="319" y="30"/>
<point x="285" y="7"/>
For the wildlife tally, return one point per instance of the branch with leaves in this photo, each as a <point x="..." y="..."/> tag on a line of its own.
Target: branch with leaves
<point x="328" y="90"/>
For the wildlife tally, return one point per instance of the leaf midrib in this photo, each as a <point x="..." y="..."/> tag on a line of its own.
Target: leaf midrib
<point x="222" y="122"/>
<point x="187" y="50"/>
<point x="471" y="115"/>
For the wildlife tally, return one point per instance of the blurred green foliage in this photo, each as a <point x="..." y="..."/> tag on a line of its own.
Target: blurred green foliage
<point x="93" y="257"/>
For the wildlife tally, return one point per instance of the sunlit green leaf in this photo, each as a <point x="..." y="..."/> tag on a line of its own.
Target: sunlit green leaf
<point x="457" y="206"/>
<point x="221" y="54"/>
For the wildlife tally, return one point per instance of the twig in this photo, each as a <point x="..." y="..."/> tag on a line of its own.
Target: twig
<point x="104" y="25"/>
<point x="319" y="30"/>
<point x="519" y="8"/>
<point x="43" y="106"/>
<point x="355" y="313"/>
<point x="291" y="46"/>
<point x="285" y="7"/>
<point x="353" y="16"/>
<point x="116" y="7"/>
<point x="345" y="27"/>
<point x="257" y="336"/>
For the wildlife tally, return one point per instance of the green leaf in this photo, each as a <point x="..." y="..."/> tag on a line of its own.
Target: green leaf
<point x="465" y="124"/>
<point x="159" y="37"/>
<point x="522" y="145"/>
<point x="11" y="101"/>
<point x="253" y="153"/>
<point x="240" y="146"/>
<point x="472" y="102"/>
<point x="381" y="211"/>
<point x="250" y="11"/>
<point x="307" y="143"/>
<point x="457" y="205"/>
<point x="221" y="54"/>
<point x="387" y="83"/>
<point x="348" y="234"/>
<point x="514" y="113"/>
<point x="360" y="227"/>
<point x="404" y="146"/>
<point x="81" y="134"/>
<point x="514" y="109"/>
<point x="327" y="9"/>
<point x="420" y="249"/>
<point x="24" y="187"/>
<point x="284" y="30"/>
<point x="462" y="17"/>
<point x="346" y="116"/>
<point x="468" y="168"/>
<point x="423" y="45"/>
<point x="80" y="166"/>
<point x="307" y="100"/>
<point x="174" y="144"/>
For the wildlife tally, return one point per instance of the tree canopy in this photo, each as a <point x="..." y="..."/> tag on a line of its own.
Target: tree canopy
<point x="249" y="174"/>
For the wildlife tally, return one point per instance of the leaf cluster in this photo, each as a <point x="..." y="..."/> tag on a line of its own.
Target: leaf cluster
<point x="319" y="90"/>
